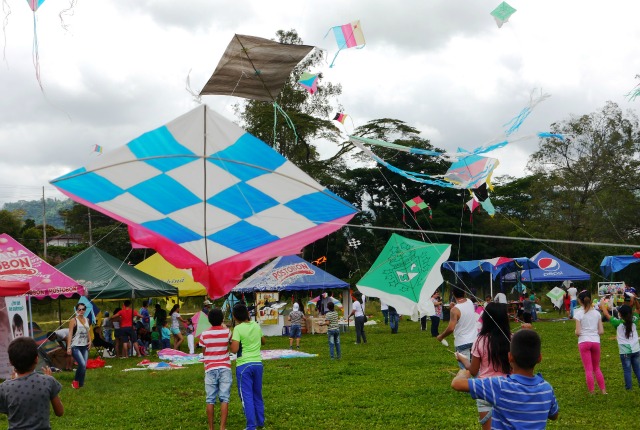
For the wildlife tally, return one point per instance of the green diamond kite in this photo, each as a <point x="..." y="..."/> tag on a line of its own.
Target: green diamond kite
<point x="502" y="13"/>
<point x="556" y="295"/>
<point x="406" y="274"/>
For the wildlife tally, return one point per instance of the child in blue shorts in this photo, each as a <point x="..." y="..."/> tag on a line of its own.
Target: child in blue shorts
<point x="217" y="366"/>
<point x="246" y="342"/>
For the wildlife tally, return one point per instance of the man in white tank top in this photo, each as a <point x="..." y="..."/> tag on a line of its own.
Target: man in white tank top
<point x="462" y="323"/>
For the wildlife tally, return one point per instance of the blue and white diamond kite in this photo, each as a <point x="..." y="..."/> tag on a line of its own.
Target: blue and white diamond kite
<point x="208" y="196"/>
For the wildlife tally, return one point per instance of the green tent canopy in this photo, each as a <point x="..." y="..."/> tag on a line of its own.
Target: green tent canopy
<point x="106" y="277"/>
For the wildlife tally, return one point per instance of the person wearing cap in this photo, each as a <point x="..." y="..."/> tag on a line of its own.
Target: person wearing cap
<point x="206" y="306"/>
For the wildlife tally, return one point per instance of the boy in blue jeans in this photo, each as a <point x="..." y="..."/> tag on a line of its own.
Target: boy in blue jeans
<point x="521" y="400"/>
<point x="217" y="366"/>
<point x="245" y="342"/>
<point x="333" y="330"/>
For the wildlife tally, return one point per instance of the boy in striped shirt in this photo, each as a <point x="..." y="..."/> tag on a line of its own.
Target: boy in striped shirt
<point x="521" y="400"/>
<point x="217" y="367"/>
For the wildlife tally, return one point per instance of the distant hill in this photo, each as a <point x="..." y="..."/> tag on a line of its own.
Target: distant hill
<point x="33" y="210"/>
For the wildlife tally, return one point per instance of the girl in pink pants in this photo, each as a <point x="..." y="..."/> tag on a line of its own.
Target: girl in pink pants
<point x="588" y="329"/>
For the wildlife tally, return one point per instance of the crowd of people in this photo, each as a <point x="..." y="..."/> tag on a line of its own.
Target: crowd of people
<point x="497" y="366"/>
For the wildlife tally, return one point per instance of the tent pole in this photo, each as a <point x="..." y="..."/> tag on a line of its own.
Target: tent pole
<point x="491" y="284"/>
<point x="59" y="312"/>
<point x="30" y="315"/>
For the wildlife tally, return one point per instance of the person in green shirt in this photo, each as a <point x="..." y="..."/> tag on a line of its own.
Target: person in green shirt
<point x="246" y="341"/>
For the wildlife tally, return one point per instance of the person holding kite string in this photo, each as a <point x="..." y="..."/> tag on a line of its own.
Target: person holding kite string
<point x="589" y="329"/>
<point x="462" y="323"/>
<point x="79" y="343"/>
<point x="490" y="353"/>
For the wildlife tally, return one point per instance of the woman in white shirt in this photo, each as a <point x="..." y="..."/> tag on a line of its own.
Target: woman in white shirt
<point x="358" y="312"/>
<point x="588" y="329"/>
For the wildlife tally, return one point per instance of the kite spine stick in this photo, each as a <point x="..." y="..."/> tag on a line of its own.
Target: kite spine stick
<point x="255" y="69"/>
<point x="204" y="175"/>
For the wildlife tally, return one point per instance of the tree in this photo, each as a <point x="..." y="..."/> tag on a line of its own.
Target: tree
<point x="10" y="223"/>
<point x="588" y="182"/>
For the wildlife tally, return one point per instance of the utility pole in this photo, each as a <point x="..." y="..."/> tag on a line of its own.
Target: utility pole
<point x="90" y="234"/>
<point x="44" y="225"/>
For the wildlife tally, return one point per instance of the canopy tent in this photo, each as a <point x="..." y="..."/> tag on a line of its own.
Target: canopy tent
<point x="615" y="263"/>
<point x="45" y="281"/>
<point x="182" y="279"/>
<point x="13" y="288"/>
<point x="551" y="269"/>
<point x="106" y="277"/>
<point x="496" y="267"/>
<point x="290" y="273"/>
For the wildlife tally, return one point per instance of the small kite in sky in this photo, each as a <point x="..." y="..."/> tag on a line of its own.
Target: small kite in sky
<point x="416" y="204"/>
<point x="254" y="68"/>
<point x="502" y="13"/>
<point x="309" y="81"/>
<point x="354" y="243"/>
<point x="471" y="171"/>
<point x="340" y="117"/>
<point x="347" y="36"/>
<point x="320" y="260"/>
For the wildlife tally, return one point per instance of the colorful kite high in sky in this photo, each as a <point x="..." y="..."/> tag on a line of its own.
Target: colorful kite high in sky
<point x="254" y="68"/>
<point x="406" y="274"/>
<point x="309" y="81"/>
<point x="208" y="196"/>
<point x="502" y="13"/>
<point x="347" y="36"/>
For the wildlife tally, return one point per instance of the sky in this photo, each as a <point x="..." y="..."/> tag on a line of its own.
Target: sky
<point x="114" y="69"/>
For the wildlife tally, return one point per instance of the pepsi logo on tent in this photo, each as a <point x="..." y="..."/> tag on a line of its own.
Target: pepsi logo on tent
<point x="548" y="264"/>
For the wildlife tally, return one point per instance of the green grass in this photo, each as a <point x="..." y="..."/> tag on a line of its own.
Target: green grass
<point x="394" y="382"/>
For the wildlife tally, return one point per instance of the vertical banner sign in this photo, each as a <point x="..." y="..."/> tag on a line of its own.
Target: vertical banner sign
<point x="13" y="323"/>
<point x="267" y="314"/>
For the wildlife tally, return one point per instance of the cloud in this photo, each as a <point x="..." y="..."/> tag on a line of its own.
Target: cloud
<point x="442" y="66"/>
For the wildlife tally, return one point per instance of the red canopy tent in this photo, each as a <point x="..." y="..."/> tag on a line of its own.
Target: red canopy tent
<point x="13" y="288"/>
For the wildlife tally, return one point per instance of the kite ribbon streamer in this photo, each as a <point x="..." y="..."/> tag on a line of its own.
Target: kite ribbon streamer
<point x="276" y="109"/>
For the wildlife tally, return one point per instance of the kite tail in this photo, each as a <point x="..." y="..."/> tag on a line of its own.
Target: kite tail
<point x="334" y="58"/>
<point x="7" y="11"/>
<point x="547" y="135"/>
<point x="276" y="109"/>
<point x="196" y="97"/>
<point x="515" y="123"/>
<point x="34" y="53"/>
<point x="69" y="12"/>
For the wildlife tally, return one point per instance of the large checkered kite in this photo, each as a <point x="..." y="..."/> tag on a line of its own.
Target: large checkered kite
<point x="208" y="196"/>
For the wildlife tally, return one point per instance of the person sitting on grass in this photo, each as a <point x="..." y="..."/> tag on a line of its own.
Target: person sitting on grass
<point x="217" y="366"/>
<point x="526" y="322"/>
<point x="26" y="396"/>
<point x="522" y="400"/>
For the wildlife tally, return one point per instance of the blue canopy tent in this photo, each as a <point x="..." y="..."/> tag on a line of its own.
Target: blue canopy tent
<point x="290" y="273"/>
<point x="550" y="269"/>
<point x="497" y="266"/>
<point x="615" y="263"/>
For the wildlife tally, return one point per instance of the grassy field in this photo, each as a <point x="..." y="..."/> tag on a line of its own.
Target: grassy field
<point x="394" y="382"/>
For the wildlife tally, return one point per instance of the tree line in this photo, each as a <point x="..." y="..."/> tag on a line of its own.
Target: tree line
<point x="583" y="186"/>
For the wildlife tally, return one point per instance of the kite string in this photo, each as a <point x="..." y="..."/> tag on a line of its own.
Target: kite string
<point x="5" y="21"/>
<point x="69" y="260"/>
<point x="35" y="55"/>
